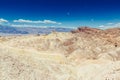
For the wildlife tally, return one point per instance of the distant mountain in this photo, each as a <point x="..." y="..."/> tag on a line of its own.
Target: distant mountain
<point x="11" y="30"/>
<point x="30" y="30"/>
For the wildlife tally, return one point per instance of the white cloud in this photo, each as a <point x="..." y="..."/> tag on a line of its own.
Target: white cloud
<point x="25" y="25"/>
<point x="3" y="20"/>
<point x="22" y="20"/>
<point x="101" y="26"/>
<point x="38" y="21"/>
<point x="117" y="24"/>
<point x="110" y="25"/>
<point x="50" y="22"/>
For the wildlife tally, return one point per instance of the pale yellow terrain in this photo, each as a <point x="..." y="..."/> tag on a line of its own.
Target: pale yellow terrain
<point x="59" y="56"/>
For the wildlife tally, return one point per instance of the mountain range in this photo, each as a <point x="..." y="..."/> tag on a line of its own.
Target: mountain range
<point x="8" y="30"/>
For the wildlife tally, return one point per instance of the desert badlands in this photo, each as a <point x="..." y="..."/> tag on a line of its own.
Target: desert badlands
<point x="82" y="54"/>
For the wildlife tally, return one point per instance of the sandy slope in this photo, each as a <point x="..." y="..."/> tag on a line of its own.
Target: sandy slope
<point x="59" y="56"/>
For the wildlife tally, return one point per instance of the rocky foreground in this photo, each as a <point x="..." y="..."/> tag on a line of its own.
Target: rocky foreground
<point x="82" y="54"/>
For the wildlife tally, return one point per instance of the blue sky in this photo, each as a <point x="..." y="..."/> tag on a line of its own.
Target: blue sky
<point x="60" y="13"/>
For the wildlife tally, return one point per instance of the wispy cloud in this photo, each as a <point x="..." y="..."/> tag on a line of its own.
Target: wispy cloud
<point x="26" y="25"/>
<point x="50" y="21"/>
<point x="38" y="21"/>
<point x="3" y="20"/>
<point x="109" y="25"/>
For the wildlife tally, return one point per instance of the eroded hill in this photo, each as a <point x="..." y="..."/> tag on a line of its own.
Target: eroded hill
<point x="83" y="54"/>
